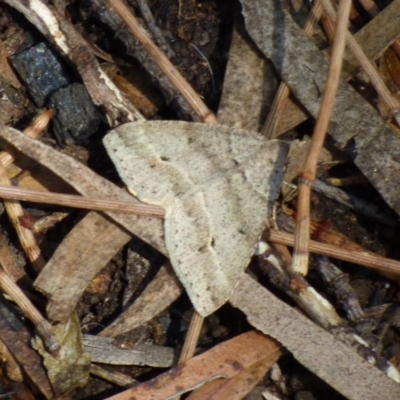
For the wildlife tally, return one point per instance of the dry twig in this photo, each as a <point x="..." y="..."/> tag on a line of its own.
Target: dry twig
<point x="69" y="200"/>
<point x="369" y="68"/>
<point x="163" y="62"/>
<point x="300" y="257"/>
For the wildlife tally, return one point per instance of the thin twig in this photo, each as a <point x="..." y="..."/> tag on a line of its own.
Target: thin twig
<point x="116" y="377"/>
<point x="357" y="179"/>
<point x="42" y="326"/>
<point x="192" y="337"/>
<point x="33" y="131"/>
<point x="338" y="282"/>
<point x="70" y="200"/>
<point x="28" y="243"/>
<point x="14" y="209"/>
<point x="25" y="235"/>
<point x="363" y="258"/>
<point x="370" y="69"/>
<point x="154" y="29"/>
<point x="300" y="256"/>
<point x="282" y="94"/>
<point x="49" y="221"/>
<point x="191" y="97"/>
<point x="163" y="62"/>
<point x="358" y="257"/>
<point x="208" y="65"/>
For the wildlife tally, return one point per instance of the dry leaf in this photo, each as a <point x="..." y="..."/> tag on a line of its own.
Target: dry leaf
<point x="216" y="209"/>
<point x="237" y="387"/>
<point x="224" y="360"/>
<point x="72" y="366"/>
<point x="81" y="255"/>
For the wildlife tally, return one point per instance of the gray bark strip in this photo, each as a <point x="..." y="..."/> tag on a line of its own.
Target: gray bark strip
<point x="355" y="125"/>
<point x="316" y="349"/>
<point x="102" y="350"/>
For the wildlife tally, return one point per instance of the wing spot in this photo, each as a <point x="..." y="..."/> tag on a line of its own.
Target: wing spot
<point x="202" y="249"/>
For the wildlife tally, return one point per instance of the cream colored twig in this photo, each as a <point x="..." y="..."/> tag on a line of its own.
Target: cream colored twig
<point x="163" y="62"/>
<point x="300" y="256"/>
<point x="14" y="209"/>
<point x="282" y="94"/>
<point x="42" y="326"/>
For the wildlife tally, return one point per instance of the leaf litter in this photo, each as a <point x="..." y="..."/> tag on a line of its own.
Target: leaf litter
<point x="93" y="241"/>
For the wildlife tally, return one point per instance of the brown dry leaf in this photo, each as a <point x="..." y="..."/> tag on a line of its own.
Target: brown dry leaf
<point x="389" y="68"/>
<point x="72" y="366"/>
<point x="81" y="255"/>
<point x="9" y="263"/>
<point x="224" y="360"/>
<point x="328" y="358"/>
<point x="238" y="386"/>
<point x="207" y="390"/>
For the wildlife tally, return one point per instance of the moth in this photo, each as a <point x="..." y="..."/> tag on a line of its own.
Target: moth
<point x="217" y="186"/>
